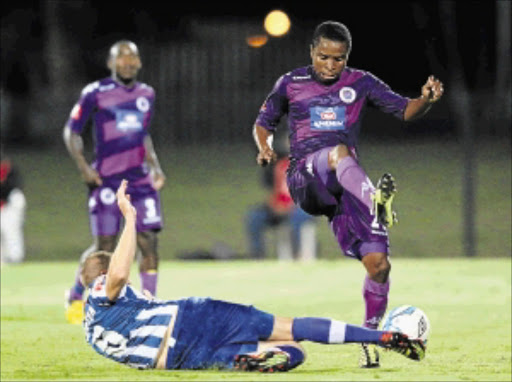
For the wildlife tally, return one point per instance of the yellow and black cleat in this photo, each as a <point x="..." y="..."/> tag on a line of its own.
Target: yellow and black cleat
<point x="383" y="200"/>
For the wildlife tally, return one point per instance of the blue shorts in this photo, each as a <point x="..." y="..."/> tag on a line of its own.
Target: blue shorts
<point x="315" y="188"/>
<point x="209" y="333"/>
<point x="105" y="217"/>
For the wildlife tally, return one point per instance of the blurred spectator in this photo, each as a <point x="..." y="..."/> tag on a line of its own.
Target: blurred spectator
<point x="12" y="213"/>
<point x="295" y="230"/>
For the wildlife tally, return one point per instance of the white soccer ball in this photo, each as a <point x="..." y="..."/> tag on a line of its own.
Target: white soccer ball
<point x="409" y="320"/>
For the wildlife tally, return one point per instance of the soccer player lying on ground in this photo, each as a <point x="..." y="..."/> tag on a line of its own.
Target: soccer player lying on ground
<point x="199" y="333"/>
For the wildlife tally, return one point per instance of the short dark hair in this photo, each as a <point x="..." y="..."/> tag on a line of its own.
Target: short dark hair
<point x="332" y="30"/>
<point x="94" y="265"/>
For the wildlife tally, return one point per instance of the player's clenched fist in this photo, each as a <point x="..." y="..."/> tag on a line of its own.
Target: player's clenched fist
<point x="432" y="90"/>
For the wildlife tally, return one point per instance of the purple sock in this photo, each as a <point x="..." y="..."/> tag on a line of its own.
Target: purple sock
<point x="353" y="179"/>
<point x="77" y="290"/>
<point x="148" y="281"/>
<point x="376" y="301"/>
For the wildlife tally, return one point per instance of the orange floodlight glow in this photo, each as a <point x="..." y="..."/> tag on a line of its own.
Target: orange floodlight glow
<point x="257" y="41"/>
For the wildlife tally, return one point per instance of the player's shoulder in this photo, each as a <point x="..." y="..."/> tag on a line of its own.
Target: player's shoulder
<point x="301" y="74"/>
<point x="356" y="74"/>
<point x="100" y="86"/>
<point x="146" y="88"/>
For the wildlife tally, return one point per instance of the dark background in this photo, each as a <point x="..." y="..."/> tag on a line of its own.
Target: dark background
<point x="453" y="166"/>
<point x="210" y="83"/>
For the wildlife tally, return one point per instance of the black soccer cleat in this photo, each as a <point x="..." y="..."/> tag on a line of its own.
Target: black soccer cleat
<point x="267" y="361"/>
<point x="399" y="342"/>
<point x="383" y="200"/>
<point x="369" y="357"/>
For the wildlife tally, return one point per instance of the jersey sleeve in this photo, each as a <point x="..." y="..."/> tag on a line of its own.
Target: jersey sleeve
<point x="386" y="99"/>
<point x="83" y="108"/>
<point x="148" y="118"/>
<point x="274" y="107"/>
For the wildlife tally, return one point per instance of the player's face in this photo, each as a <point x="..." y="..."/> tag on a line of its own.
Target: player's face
<point x="329" y="59"/>
<point x="127" y="63"/>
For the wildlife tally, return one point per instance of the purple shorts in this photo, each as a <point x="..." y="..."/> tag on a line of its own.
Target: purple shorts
<point x="315" y="188"/>
<point x="105" y="217"/>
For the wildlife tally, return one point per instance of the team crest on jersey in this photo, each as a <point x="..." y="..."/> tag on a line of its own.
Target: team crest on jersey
<point x="347" y="94"/>
<point x="142" y="104"/>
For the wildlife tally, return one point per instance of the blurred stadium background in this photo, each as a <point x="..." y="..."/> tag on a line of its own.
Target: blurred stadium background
<point x="453" y="167"/>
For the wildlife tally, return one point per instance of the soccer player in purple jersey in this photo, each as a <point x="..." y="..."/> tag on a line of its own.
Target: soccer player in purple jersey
<point x="137" y="330"/>
<point x="121" y="109"/>
<point x="324" y="103"/>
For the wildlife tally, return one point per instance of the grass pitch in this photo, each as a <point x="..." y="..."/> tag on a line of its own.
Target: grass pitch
<point x="468" y="302"/>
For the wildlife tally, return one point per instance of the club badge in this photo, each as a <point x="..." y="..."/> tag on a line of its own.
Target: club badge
<point x="347" y="94"/>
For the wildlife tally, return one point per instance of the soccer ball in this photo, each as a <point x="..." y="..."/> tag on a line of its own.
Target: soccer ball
<point x="409" y="320"/>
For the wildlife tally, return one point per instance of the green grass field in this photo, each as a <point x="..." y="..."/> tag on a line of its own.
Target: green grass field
<point x="210" y="188"/>
<point x="208" y="192"/>
<point x="468" y="302"/>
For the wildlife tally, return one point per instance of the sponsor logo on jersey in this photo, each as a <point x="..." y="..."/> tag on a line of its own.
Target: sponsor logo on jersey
<point x="347" y="94"/>
<point x="129" y="120"/>
<point x="142" y="104"/>
<point x="327" y="118"/>
<point x="301" y="78"/>
<point x="105" y="88"/>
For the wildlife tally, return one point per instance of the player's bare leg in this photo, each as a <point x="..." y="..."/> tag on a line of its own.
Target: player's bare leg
<point x="148" y="263"/>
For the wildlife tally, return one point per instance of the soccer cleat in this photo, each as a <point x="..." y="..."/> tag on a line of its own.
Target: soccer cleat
<point x="369" y="357"/>
<point x="267" y="361"/>
<point x="412" y="349"/>
<point x="74" y="310"/>
<point x="383" y="199"/>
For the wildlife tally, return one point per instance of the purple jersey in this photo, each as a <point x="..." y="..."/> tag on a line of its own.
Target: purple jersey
<point x="324" y="116"/>
<point x="121" y="120"/>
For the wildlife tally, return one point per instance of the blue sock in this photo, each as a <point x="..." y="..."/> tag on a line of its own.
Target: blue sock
<point x="296" y="355"/>
<point x="327" y="331"/>
<point x="311" y="329"/>
<point x="355" y="333"/>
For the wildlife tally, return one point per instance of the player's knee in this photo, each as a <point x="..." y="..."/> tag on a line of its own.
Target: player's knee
<point x="147" y="242"/>
<point x="378" y="267"/>
<point x="106" y="243"/>
<point x="337" y="154"/>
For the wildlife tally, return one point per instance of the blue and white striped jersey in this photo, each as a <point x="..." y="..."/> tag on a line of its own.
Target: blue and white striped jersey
<point x="128" y="330"/>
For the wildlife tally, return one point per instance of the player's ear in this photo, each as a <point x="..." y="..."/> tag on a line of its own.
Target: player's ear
<point x="111" y="64"/>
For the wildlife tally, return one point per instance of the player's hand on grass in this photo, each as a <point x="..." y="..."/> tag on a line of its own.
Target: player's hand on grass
<point x="266" y="156"/>
<point x="124" y="202"/>
<point x="433" y="90"/>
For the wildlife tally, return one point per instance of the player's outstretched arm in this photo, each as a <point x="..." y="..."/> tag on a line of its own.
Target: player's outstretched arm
<point x="262" y="138"/>
<point x="431" y="92"/>
<point x="121" y="261"/>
